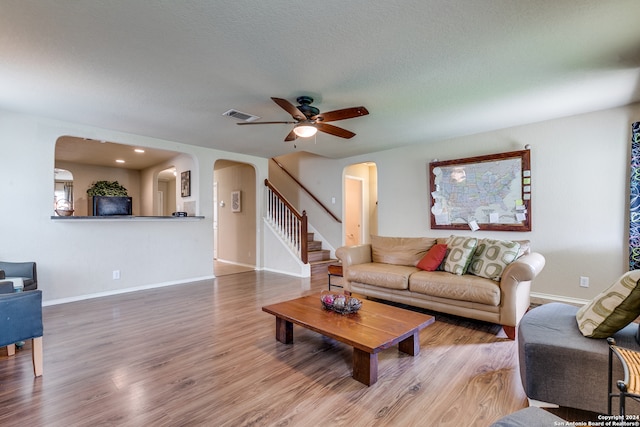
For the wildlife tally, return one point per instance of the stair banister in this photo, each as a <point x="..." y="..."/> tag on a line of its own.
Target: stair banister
<point x="306" y="191"/>
<point x="291" y="225"/>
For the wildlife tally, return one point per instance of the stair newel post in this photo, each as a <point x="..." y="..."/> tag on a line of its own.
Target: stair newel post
<point x="303" y="238"/>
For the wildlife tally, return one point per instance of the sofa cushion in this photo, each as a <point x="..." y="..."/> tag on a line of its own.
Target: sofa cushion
<point x="434" y="257"/>
<point x="384" y="275"/>
<point x="400" y="250"/>
<point x="464" y="288"/>
<point x="492" y="256"/>
<point x="459" y="255"/>
<point x="612" y="309"/>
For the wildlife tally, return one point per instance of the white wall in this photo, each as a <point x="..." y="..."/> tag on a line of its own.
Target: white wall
<point x="76" y="259"/>
<point x="580" y="179"/>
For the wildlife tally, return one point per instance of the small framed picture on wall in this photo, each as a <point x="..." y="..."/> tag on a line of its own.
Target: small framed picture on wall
<point x="236" y="201"/>
<point x="185" y="184"/>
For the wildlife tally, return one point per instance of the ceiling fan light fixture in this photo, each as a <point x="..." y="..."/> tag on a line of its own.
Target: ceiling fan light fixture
<point x="305" y="130"/>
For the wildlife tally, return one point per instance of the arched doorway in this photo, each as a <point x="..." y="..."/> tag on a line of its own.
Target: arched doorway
<point x="360" y="192"/>
<point x="234" y="217"/>
<point x="63" y="192"/>
<point x="165" y="200"/>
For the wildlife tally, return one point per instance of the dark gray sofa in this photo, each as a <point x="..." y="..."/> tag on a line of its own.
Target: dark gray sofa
<point x="559" y="365"/>
<point x="26" y="270"/>
<point x="6" y="287"/>
<point x="529" y="417"/>
<point x="21" y="320"/>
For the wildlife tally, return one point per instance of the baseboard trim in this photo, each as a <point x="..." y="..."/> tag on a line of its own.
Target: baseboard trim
<point x="239" y="264"/>
<point x="557" y="298"/>
<point x="125" y="290"/>
<point x="302" y="275"/>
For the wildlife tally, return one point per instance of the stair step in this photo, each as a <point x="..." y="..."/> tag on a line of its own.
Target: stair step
<point x="314" y="245"/>
<point x="310" y="236"/>
<point x="318" y="255"/>
<point x="321" y="267"/>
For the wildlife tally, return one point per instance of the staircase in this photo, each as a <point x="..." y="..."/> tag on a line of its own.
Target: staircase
<point x="291" y="226"/>
<point x="318" y="258"/>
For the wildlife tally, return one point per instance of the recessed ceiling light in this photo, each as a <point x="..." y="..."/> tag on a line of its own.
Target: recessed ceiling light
<point x="139" y="150"/>
<point x="119" y="161"/>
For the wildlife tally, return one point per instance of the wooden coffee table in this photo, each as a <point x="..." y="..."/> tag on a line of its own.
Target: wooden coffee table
<point x="373" y="328"/>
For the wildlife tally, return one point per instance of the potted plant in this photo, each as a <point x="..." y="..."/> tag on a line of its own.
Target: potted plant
<point x="108" y="198"/>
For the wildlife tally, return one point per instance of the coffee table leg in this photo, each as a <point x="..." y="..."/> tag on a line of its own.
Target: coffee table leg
<point x="410" y="345"/>
<point x="284" y="331"/>
<point x="365" y="366"/>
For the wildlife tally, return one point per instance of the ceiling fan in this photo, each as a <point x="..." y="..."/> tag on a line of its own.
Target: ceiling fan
<point x="309" y="120"/>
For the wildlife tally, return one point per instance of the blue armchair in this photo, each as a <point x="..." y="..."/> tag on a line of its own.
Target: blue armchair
<point x="20" y="320"/>
<point x="26" y="270"/>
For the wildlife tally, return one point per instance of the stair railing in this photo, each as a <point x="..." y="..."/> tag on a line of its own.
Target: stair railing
<point x="326" y="209"/>
<point x="289" y="223"/>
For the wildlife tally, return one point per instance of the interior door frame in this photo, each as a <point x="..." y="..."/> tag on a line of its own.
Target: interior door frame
<point x="215" y="219"/>
<point x="362" y="208"/>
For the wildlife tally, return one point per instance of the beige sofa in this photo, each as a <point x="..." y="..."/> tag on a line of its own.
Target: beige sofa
<point x="386" y="269"/>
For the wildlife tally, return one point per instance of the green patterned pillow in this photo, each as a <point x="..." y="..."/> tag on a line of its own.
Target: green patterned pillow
<point x="460" y="252"/>
<point x="612" y="309"/>
<point x="491" y="257"/>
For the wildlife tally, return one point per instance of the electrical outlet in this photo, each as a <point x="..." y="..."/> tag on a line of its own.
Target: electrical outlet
<point x="116" y="274"/>
<point x="584" y="282"/>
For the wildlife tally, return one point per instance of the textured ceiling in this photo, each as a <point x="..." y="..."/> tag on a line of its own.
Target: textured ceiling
<point x="425" y="69"/>
<point x="103" y="153"/>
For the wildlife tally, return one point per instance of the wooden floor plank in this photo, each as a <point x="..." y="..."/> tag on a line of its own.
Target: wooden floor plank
<point x="205" y="354"/>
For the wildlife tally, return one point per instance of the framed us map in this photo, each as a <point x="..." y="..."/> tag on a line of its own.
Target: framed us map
<point x="490" y="192"/>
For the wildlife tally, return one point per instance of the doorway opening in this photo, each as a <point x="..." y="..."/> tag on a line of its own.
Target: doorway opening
<point x="234" y="217"/>
<point x="63" y="192"/>
<point x="165" y="200"/>
<point x="360" y="203"/>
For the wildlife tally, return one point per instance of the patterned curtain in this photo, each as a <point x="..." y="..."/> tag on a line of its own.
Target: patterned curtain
<point x="634" y="203"/>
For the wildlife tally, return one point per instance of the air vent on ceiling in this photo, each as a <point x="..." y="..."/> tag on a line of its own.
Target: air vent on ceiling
<point x="240" y="115"/>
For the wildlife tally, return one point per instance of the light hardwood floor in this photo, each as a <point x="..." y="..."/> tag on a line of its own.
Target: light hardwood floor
<point x="222" y="268"/>
<point x="205" y="354"/>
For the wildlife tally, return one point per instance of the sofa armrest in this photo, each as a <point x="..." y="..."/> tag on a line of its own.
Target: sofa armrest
<point x="21" y="317"/>
<point x="352" y="255"/>
<point x="525" y="268"/>
<point x="515" y="286"/>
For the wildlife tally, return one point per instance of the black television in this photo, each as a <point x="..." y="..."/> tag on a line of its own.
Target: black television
<point x="108" y="206"/>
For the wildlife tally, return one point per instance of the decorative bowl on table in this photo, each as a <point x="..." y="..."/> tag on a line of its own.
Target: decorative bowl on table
<point x="343" y="304"/>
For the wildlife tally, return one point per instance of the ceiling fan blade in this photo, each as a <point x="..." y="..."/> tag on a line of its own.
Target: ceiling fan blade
<point x="334" y="130"/>
<point x="345" y="113"/>
<point x="291" y="137"/>
<point x="265" y="123"/>
<point x="289" y="108"/>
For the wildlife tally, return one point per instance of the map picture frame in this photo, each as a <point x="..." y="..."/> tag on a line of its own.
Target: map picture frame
<point x="491" y="192"/>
